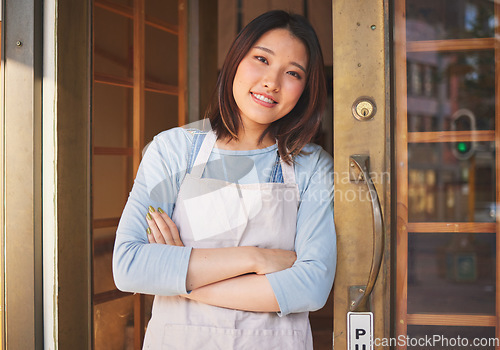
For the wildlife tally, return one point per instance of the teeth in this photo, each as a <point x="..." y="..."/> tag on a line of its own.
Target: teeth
<point x="263" y="98"/>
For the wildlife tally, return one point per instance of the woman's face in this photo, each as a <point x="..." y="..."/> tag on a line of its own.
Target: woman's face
<point x="270" y="79"/>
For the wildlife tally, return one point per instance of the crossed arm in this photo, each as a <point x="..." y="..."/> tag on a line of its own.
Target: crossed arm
<point x="239" y="285"/>
<point x="167" y="268"/>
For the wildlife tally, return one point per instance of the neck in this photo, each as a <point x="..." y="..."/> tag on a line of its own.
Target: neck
<point x="248" y="139"/>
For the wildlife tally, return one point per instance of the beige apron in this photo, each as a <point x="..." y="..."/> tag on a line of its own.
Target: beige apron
<point x="214" y="213"/>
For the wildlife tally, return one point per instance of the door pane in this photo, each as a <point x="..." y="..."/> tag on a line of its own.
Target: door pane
<point x="443" y="86"/>
<point x="444" y="188"/>
<point x="445" y="19"/>
<point x="445" y="269"/>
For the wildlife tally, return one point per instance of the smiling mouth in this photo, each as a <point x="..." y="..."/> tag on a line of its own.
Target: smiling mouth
<point x="263" y="98"/>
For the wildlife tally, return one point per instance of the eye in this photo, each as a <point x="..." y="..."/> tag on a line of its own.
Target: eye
<point x="261" y="59"/>
<point x="294" y="74"/>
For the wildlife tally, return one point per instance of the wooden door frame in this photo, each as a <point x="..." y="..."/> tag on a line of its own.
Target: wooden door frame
<point x="46" y="208"/>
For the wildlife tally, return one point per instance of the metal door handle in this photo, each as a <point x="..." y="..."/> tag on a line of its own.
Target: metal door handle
<point x="359" y="172"/>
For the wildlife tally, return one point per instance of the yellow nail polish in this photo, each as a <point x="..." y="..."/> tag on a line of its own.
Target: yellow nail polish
<point x="151" y="209"/>
<point x="160" y="210"/>
<point x="148" y="230"/>
<point x="149" y="217"/>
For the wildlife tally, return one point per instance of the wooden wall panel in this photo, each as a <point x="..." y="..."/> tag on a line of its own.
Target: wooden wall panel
<point x="227" y="12"/>
<point x="320" y="15"/>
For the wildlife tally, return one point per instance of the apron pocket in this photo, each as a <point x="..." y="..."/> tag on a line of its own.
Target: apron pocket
<point x="190" y="337"/>
<point x="270" y="339"/>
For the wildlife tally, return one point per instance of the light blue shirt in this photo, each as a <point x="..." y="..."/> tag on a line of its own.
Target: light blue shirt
<point x="160" y="269"/>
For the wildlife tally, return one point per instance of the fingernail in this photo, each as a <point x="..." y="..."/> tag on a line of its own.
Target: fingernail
<point x="148" y="230"/>
<point x="148" y="216"/>
<point x="151" y="209"/>
<point x="160" y="210"/>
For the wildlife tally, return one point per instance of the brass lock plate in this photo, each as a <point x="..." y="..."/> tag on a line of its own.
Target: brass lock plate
<point x="364" y="108"/>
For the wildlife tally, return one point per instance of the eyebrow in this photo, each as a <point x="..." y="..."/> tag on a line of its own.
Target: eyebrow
<point x="272" y="53"/>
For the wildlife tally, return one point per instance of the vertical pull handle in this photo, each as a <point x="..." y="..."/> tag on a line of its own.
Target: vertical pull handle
<point x="359" y="172"/>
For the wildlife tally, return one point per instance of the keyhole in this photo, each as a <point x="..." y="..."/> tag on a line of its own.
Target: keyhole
<point x="363" y="109"/>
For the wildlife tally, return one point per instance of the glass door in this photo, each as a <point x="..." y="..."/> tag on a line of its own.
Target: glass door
<point x="446" y="142"/>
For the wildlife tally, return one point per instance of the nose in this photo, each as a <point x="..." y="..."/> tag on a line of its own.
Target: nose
<point x="271" y="81"/>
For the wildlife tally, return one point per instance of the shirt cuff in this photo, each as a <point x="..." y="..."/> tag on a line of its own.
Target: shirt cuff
<point x="279" y="293"/>
<point x="183" y="269"/>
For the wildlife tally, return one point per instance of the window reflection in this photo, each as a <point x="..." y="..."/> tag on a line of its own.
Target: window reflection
<point x="444" y="188"/>
<point x="442" y="19"/>
<point x="442" y="83"/>
<point x="446" y="269"/>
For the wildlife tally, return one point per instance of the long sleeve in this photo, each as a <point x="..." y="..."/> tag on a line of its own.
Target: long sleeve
<point x="138" y="266"/>
<point x="306" y="285"/>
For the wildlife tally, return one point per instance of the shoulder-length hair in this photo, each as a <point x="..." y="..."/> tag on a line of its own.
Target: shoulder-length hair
<point x="294" y="130"/>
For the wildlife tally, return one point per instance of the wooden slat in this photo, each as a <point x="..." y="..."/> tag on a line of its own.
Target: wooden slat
<point x="451" y="136"/>
<point x="106" y="222"/>
<point x="451" y="320"/>
<point x="139" y="81"/>
<point x="401" y="166"/>
<point x="183" y="60"/>
<point x="121" y="10"/>
<point x="138" y="125"/>
<point x="128" y="12"/>
<point x="129" y="83"/>
<point x="162" y="25"/>
<point x="111" y="295"/>
<point x="452" y="227"/>
<point x="451" y="45"/>
<point x="113" y="80"/>
<point x="112" y="151"/>
<point x="161" y="88"/>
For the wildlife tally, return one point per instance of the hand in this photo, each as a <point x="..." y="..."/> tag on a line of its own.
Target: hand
<point x="273" y="260"/>
<point x="162" y="229"/>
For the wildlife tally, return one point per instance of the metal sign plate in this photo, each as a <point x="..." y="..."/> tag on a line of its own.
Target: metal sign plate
<point x="360" y="330"/>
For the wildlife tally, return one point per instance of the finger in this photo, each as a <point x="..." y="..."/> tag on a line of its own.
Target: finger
<point x="151" y="238"/>
<point x="155" y="231"/>
<point x="173" y="228"/>
<point x="162" y="226"/>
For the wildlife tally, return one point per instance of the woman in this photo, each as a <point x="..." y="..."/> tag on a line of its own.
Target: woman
<point x="250" y="248"/>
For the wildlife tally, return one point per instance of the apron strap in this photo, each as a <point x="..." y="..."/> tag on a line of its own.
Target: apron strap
<point x="288" y="172"/>
<point x="202" y="157"/>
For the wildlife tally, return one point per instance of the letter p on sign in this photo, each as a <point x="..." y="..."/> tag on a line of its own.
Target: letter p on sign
<point x="360" y="331"/>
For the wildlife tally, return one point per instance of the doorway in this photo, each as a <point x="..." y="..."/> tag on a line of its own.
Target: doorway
<point x="154" y="68"/>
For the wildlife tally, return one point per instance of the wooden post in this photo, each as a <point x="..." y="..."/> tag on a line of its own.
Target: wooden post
<point x="138" y="122"/>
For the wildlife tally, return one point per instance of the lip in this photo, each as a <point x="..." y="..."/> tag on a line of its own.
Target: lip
<point x="263" y="103"/>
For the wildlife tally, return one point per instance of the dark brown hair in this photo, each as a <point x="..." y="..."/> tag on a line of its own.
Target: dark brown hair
<point x="294" y="130"/>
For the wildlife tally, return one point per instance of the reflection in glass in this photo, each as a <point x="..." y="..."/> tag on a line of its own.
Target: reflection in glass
<point x="102" y="260"/>
<point x="445" y="19"/>
<point x="445" y="188"/>
<point x="114" y="324"/>
<point x="451" y="273"/>
<point x="442" y="83"/>
<point x="452" y="338"/>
